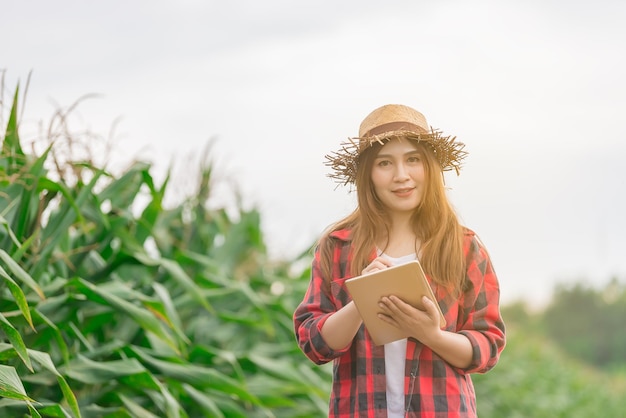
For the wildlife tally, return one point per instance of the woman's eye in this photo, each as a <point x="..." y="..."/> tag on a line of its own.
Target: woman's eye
<point x="384" y="163"/>
<point x="414" y="159"/>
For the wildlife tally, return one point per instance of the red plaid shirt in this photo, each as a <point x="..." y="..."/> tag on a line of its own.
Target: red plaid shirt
<point x="433" y="388"/>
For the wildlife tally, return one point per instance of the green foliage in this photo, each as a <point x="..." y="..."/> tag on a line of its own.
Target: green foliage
<point x="112" y="305"/>
<point x="535" y="379"/>
<point x="589" y="324"/>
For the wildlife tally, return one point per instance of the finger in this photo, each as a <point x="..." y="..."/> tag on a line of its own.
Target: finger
<point x="429" y="306"/>
<point x="379" y="263"/>
<point x="384" y="261"/>
<point x="431" y="309"/>
<point x="386" y="303"/>
<point x="385" y="307"/>
<point x="372" y="268"/>
<point x="398" y="305"/>
<point x="388" y="319"/>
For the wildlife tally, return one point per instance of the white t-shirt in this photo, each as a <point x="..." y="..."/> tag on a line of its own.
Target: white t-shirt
<point x="395" y="359"/>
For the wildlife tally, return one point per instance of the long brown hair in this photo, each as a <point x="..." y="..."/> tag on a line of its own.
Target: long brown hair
<point x="434" y="222"/>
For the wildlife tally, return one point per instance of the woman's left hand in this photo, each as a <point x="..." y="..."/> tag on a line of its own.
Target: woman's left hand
<point x="420" y="324"/>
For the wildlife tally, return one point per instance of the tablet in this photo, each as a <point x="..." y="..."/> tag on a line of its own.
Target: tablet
<point x="406" y="281"/>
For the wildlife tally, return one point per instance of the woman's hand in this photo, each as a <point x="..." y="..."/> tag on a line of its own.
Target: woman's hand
<point x="424" y="325"/>
<point x="379" y="263"/>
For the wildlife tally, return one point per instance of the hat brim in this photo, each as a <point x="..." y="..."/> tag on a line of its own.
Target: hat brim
<point x="448" y="151"/>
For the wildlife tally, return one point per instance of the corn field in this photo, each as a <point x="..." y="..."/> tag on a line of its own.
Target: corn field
<point x="114" y="306"/>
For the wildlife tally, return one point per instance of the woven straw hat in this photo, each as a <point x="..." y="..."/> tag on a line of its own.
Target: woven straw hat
<point x="393" y="121"/>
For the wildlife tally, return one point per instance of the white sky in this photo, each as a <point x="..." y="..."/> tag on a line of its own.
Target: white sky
<point x="535" y="89"/>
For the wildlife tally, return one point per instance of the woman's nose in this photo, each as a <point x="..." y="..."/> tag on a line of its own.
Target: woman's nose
<point x="401" y="172"/>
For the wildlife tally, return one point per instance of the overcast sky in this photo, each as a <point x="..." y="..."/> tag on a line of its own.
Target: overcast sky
<point x="535" y="89"/>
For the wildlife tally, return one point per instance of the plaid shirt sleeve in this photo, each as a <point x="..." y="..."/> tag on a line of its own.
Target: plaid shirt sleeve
<point x="479" y="308"/>
<point x="309" y="317"/>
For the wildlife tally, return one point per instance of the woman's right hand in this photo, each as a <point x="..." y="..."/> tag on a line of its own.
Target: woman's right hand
<point x="379" y="263"/>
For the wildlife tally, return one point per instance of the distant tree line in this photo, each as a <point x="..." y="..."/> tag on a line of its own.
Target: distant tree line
<point x="586" y="322"/>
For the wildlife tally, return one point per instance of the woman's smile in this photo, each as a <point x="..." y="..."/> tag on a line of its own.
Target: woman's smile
<point x="404" y="192"/>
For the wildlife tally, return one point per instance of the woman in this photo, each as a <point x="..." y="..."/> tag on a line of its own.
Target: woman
<point x="403" y="214"/>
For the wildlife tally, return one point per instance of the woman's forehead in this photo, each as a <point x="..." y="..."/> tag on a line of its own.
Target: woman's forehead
<point x="398" y="145"/>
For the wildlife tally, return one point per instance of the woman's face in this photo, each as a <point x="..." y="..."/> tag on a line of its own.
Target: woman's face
<point x="398" y="176"/>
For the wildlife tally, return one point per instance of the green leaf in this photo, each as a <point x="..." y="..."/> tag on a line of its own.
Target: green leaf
<point x="11" y="146"/>
<point x="152" y="211"/>
<point x="35" y="414"/>
<point x="45" y="361"/>
<point x="10" y="233"/>
<point x="18" y="296"/>
<point x="20" y="274"/>
<point x="170" y="311"/>
<point x="16" y="340"/>
<point x="12" y="407"/>
<point x="281" y="367"/>
<point x="203" y="401"/>
<point x="142" y="316"/>
<point x="178" y="274"/>
<point x="61" y="221"/>
<point x="166" y="401"/>
<point x="54" y="410"/>
<point x="196" y="375"/>
<point x="91" y="372"/>
<point x="122" y="192"/>
<point x="29" y="200"/>
<point x="136" y="410"/>
<point x="56" y="332"/>
<point x="11" y="385"/>
<point x="145" y="380"/>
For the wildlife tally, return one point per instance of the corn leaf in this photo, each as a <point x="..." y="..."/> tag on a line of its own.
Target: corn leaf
<point x="196" y="375"/>
<point x="46" y="362"/>
<point x="11" y="145"/>
<point x="92" y="372"/>
<point x="170" y="312"/>
<point x="56" y="332"/>
<point x="123" y="191"/>
<point x="204" y="401"/>
<point x="29" y="199"/>
<point x="16" y="340"/>
<point x="136" y="410"/>
<point x="142" y="316"/>
<point x="18" y="297"/>
<point x="54" y="410"/>
<point x="11" y="385"/>
<point x="61" y="221"/>
<point x="21" y="274"/>
<point x="179" y="275"/>
<point x="5" y="223"/>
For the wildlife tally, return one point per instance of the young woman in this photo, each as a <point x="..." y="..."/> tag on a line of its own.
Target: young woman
<point x="396" y="165"/>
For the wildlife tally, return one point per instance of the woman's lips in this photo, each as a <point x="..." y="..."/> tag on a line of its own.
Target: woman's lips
<point x="404" y="192"/>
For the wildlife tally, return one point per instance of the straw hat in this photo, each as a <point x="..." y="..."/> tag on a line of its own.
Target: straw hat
<point x="393" y="121"/>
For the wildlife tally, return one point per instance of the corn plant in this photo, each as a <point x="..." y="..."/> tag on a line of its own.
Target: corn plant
<point x="114" y="305"/>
